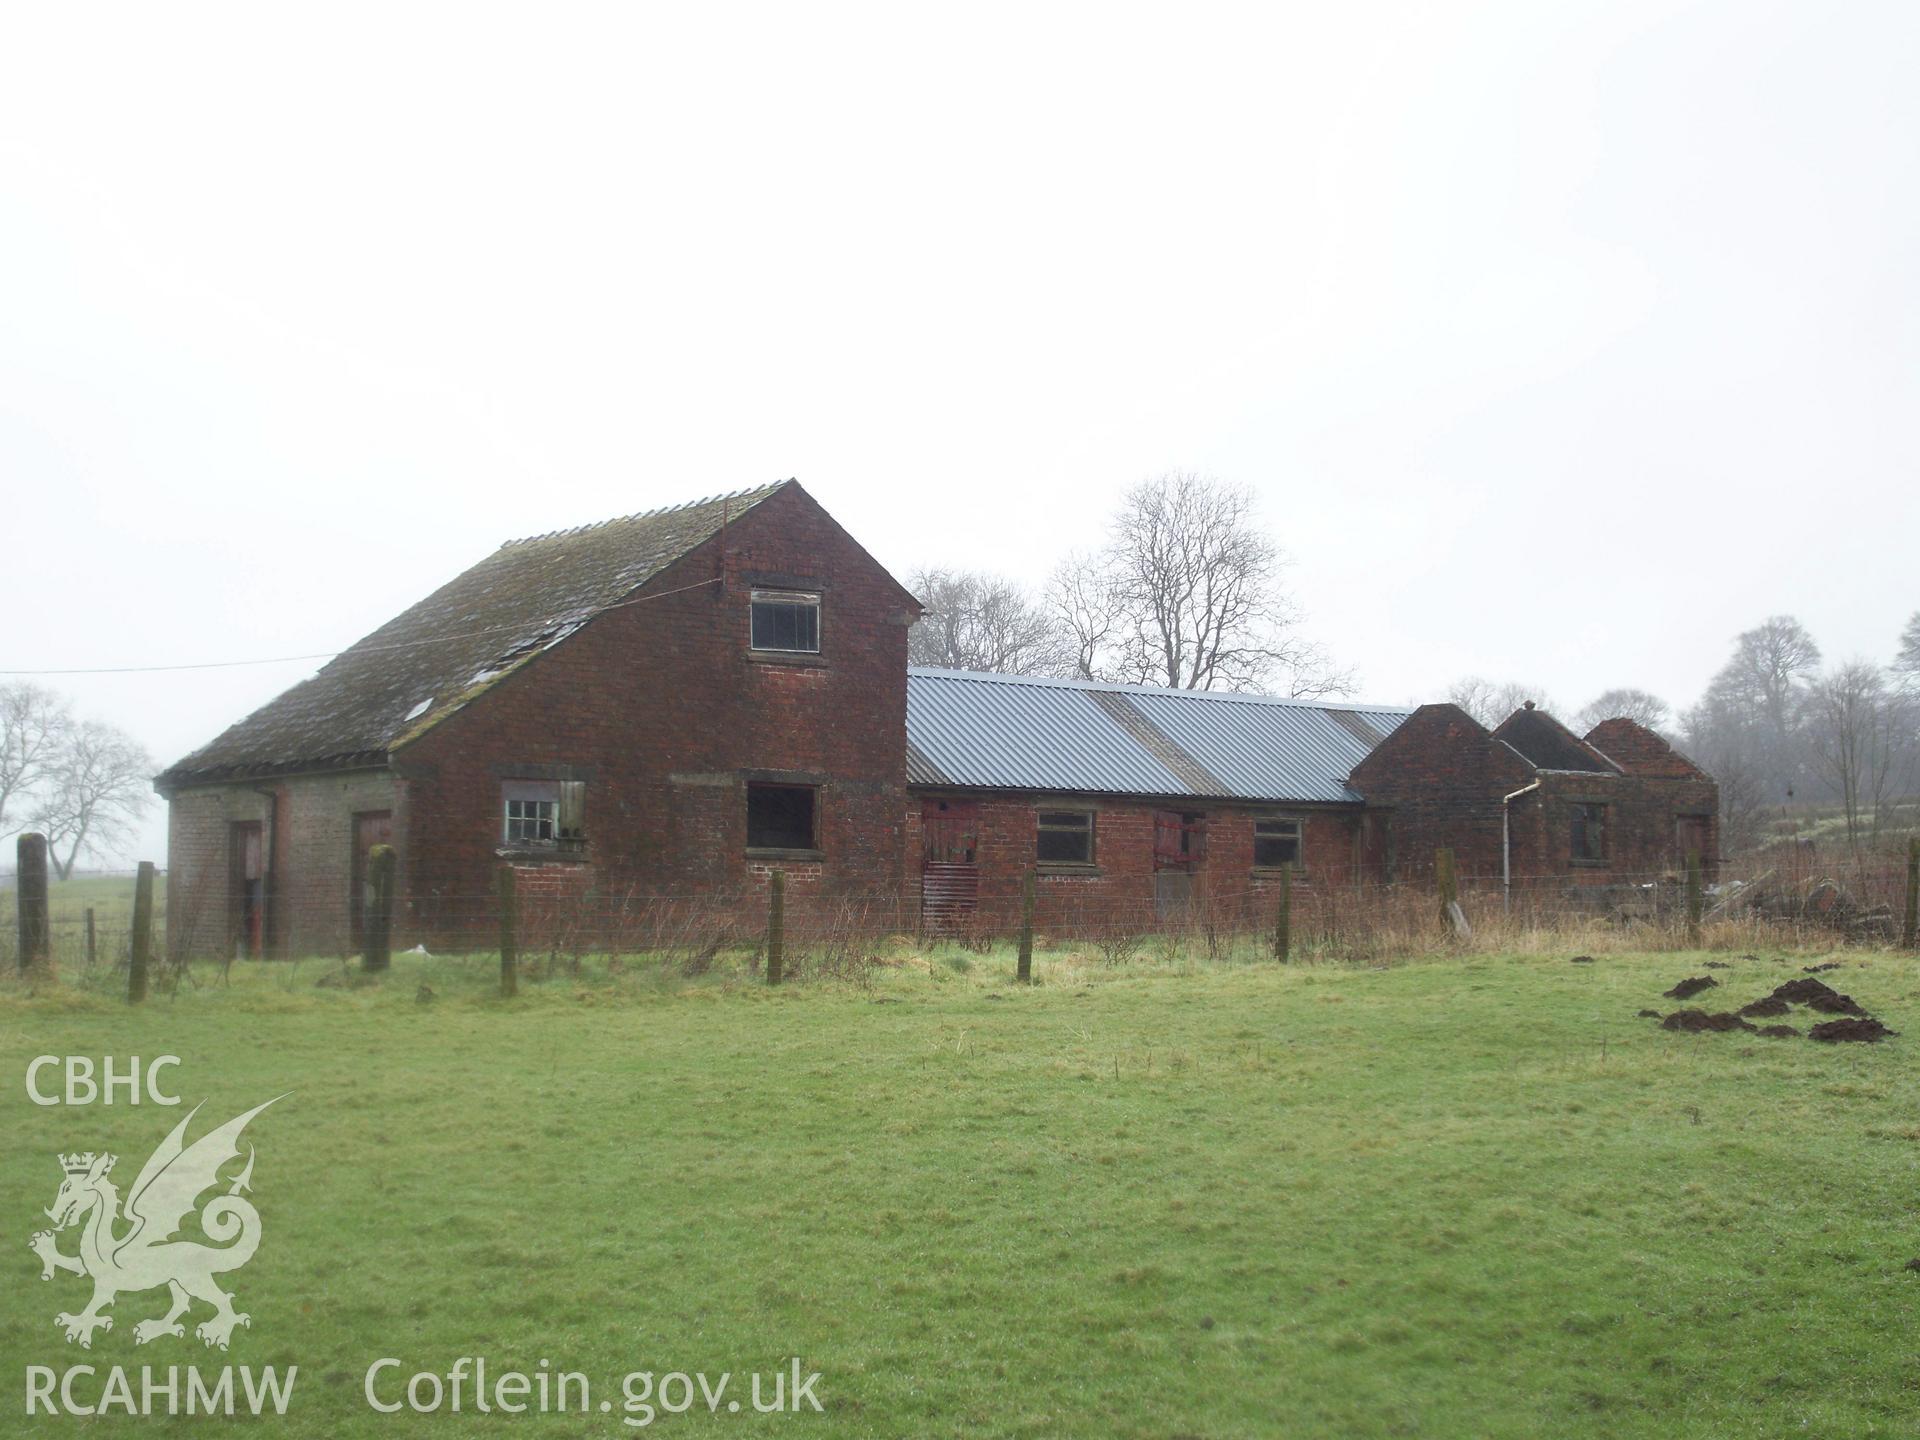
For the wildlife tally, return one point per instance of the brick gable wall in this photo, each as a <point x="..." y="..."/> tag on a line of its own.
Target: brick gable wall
<point x="663" y="712"/>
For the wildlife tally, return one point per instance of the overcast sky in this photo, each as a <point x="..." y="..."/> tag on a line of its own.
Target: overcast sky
<point x="1560" y="341"/>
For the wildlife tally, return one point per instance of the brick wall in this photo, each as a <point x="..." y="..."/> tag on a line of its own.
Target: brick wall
<point x="664" y="713"/>
<point x="1441" y="776"/>
<point x="306" y="827"/>
<point x="1120" y="887"/>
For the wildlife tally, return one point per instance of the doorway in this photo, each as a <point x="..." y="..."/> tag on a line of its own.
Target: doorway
<point x="246" y="889"/>
<point x="950" y="864"/>
<point x="370" y="828"/>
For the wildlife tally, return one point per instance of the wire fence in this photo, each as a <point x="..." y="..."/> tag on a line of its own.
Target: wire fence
<point x="1784" y="900"/>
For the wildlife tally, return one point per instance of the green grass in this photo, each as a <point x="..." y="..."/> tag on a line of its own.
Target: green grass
<point x="1460" y="1197"/>
<point x="110" y="897"/>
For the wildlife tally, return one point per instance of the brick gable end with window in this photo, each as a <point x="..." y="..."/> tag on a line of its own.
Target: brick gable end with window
<point x="667" y="712"/>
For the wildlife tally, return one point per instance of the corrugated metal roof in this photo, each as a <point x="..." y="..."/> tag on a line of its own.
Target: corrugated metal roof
<point x="1011" y="732"/>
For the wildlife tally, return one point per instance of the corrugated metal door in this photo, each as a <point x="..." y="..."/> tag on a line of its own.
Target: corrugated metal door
<point x="950" y="869"/>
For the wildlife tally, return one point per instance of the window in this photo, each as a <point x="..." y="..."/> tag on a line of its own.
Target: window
<point x="1589" y="832"/>
<point x="786" y="620"/>
<point x="1065" y="837"/>
<point x="780" y="817"/>
<point x="1276" y="843"/>
<point x="544" y="812"/>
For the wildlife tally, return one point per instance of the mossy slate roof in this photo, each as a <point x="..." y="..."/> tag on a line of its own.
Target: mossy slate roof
<point x="424" y="664"/>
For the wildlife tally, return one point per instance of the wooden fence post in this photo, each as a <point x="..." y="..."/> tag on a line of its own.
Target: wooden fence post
<point x="1449" y="890"/>
<point x="503" y="884"/>
<point x="1693" y="899"/>
<point x="30" y="901"/>
<point x="776" y="926"/>
<point x="142" y="939"/>
<point x="1911" y="931"/>
<point x="92" y="950"/>
<point x="377" y="951"/>
<point x="1283" y="916"/>
<point x="1023" y="967"/>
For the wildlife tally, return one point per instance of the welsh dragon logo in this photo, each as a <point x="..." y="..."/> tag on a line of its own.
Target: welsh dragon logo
<point x="124" y="1254"/>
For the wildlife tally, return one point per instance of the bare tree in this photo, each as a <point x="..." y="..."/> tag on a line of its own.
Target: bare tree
<point x="1771" y="666"/>
<point x="1490" y="703"/>
<point x="1640" y="706"/>
<point x="34" y="725"/>
<point x="982" y="622"/>
<point x="1187" y="593"/>
<point x="1756" y="707"/>
<point x="1906" y="662"/>
<point x="1082" y="597"/>
<point x="97" y="789"/>
<point x="1861" y="742"/>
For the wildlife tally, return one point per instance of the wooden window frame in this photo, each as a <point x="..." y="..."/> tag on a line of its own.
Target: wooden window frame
<point x="812" y="851"/>
<point x="1575" y="820"/>
<point x="564" y="804"/>
<point x="1086" y="822"/>
<point x="794" y="599"/>
<point x="1299" y="862"/>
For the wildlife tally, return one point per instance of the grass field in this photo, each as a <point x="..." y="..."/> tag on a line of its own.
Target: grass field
<point x="1462" y="1197"/>
<point x="110" y="897"/>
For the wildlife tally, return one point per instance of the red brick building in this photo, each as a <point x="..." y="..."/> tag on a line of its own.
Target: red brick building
<point x="662" y="704"/>
<point x="1532" y="800"/>
<point x="674" y="703"/>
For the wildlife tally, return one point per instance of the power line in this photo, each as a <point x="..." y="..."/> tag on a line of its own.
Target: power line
<point x="357" y="649"/>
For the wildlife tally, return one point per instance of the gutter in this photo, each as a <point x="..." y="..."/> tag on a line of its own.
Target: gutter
<point x="1506" y="844"/>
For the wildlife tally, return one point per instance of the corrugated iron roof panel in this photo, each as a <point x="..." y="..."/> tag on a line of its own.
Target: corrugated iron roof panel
<point x="1261" y="752"/>
<point x="1011" y="732"/>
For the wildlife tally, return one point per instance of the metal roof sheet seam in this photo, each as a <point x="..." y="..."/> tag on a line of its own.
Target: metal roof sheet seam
<point x="1018" y="732"/>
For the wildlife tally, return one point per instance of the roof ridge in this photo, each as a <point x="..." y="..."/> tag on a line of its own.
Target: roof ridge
<point x="1238" y="697"/>
<point x="760" y="490"/>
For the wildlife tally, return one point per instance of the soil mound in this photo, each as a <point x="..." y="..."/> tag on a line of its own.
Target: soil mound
<point x="1718" y="965"/>
<point x="1866" y="1028"/>
<point x="1779" y="1032"/>
<point x="1581" y="960"/>
<point x="1772" y="1005"/>
<point x="1816" y="969"/>
<point x="1698" y="1021"/>
<point x="1651" y="1015"/>
<point x="1817" y="995"/>
<point x="1692" y="986"/>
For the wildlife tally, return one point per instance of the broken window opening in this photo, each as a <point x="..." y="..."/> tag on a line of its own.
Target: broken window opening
<point x="780" y="817"/>
<point x="1276" y="843"/>
<point x="1589" y="832"/>
<point x="1064" y="837"/>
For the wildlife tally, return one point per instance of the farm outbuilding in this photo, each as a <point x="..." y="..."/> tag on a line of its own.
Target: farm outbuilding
<point x="676" y="703"/>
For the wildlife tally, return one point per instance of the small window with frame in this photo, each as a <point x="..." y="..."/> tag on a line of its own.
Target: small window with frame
<point x="1587" y="824"/>
<point x="1064" y="837"/>
<point x="781" y="817"/>
<point x="1276" y="842"/>
<point x="541" y="813"/>
<point x="786" y="622"/>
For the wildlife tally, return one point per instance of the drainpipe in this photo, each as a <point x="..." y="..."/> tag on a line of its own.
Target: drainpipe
<point x="269" y="865"/>
<point x="1506" y="845"/>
